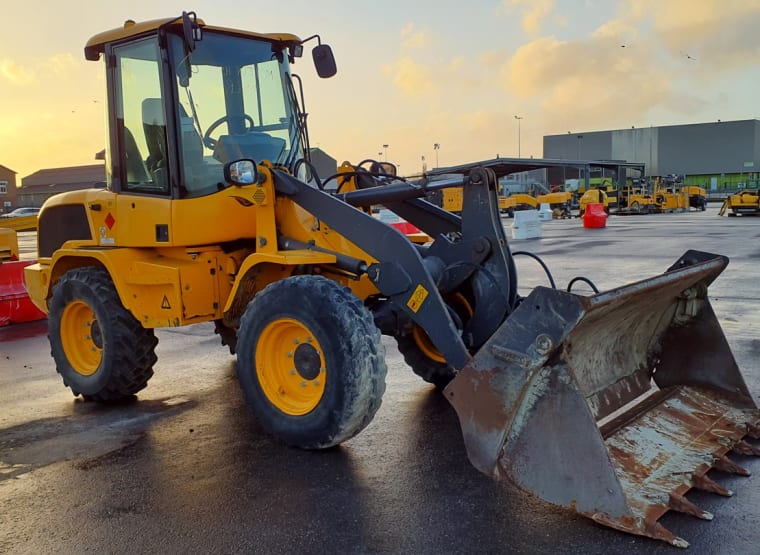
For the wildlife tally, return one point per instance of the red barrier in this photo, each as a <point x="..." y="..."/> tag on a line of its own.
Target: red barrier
<point x="405" y="227"/>
<point x="595" y="216"/>
<point x="15" y="304"/>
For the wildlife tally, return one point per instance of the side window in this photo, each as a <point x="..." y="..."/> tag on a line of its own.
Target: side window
<point x="141" y="125"/>
<point x="262" y="89"/>
<point x="263" y="99"/>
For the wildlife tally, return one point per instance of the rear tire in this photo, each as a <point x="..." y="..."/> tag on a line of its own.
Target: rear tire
<point x="101" y="351"/>
<point x="310" y="362"/>
<point x="437" y="373"/>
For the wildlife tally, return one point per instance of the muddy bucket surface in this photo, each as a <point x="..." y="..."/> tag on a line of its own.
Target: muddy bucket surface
<point x="614" y="405"/>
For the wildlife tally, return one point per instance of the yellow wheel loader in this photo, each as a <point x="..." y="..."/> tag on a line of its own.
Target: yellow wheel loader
<point x="744" y="203"/>
<point x="614" y="405"/>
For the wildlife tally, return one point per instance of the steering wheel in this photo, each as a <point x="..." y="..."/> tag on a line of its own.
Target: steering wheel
<point x="210" y="142"/>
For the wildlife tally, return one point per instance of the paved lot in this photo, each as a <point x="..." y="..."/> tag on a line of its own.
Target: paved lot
<point x="186" y="469"/>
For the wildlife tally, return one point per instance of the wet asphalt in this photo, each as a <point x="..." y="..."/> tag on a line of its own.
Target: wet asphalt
<point x="185" y="469"/>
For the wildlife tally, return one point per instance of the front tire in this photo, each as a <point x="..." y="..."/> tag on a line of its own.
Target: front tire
<point x="101" y="351"/>
<point x="421" y="354"/>
<point x="310" y="362"/>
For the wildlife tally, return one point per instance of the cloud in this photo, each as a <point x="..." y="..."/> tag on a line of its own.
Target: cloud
<point x="719" y="34"/>
<point x="61" y="64"/>
<point x="15" y="73"/>
<point x="592" y="79"/>
<point x="413" y="38"/>
<point x="652" y="55"/>
<point x="411" y="77"/>
<point x="38" y="70"/>
<point x="533" y="12"/>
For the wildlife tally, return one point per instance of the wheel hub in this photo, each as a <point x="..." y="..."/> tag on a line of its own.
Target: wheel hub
<point x="307" y="362"/>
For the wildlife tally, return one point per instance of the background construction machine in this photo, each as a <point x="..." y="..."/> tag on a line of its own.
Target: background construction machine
<point x="559" y="200"/>
<point x="744" y="203"/>
<point x="613" y="405"/>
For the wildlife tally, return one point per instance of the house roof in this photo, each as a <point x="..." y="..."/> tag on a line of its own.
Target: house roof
<point x="7" y="168"/>
<point x="64" y="179"/>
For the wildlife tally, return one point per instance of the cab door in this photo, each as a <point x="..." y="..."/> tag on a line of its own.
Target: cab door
<point x="140" y="164"/>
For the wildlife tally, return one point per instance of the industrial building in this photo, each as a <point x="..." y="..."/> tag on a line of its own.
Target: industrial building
<point x="720" y="156"/>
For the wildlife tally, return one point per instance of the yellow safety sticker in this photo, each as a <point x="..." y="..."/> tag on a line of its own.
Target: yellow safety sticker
<point x="165" y="303"/>
<point x="418" y="297"/>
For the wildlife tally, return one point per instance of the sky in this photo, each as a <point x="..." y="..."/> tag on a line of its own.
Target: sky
<point x="412" y="74"/>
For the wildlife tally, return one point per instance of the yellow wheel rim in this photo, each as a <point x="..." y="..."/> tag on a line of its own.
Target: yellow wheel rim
<point x="462" y="307"/>
<point x="426" y="345"/>
<point x="81" y="338"/>
<point x="290" y="367"/>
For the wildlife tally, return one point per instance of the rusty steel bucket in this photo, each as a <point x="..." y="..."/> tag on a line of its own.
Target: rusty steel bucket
<point x="613" y="405"/>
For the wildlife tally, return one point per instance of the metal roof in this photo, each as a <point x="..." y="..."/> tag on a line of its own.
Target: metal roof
<point x="506" y="166"/>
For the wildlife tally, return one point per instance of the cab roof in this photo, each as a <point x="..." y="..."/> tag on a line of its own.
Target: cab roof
<point x="96" y="45"/>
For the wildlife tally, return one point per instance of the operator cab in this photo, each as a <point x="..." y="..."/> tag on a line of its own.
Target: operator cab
<point x="186" y="99"/>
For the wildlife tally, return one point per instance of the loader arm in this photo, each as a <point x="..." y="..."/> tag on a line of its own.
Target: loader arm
<point x="412" y="278"/>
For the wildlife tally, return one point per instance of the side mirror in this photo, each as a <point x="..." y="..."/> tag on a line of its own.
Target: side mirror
<point x="241" y="172"/>
<point x="324" y="61"/>
<point x="190" y="30"/>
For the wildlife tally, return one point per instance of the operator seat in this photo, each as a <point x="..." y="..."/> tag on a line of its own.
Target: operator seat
<point x="133" y="161"/>
<point x="192" y="148"/>
<point x="154" y="126"/>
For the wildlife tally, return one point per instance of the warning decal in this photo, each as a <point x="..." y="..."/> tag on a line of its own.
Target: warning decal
<point x="165" y="303"/>
<point x="418" y="297"/>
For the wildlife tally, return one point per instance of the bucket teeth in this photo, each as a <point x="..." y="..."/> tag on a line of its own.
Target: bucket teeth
<point x="727" y="465"/>
<point x="682" y="505"/>
<point x="706" y="484"/>
<point x="744" y="448"/>
<point x="659" y="532"/>
<point x="642" y="527"/>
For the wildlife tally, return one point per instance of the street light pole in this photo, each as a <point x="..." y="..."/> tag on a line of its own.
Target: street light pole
<point x="436" y="147"/>
<point x="385" y="150"/>
<point x="519" y="150"/>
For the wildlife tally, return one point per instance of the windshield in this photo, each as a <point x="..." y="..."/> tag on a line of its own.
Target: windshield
<point x="236" y="101"/>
